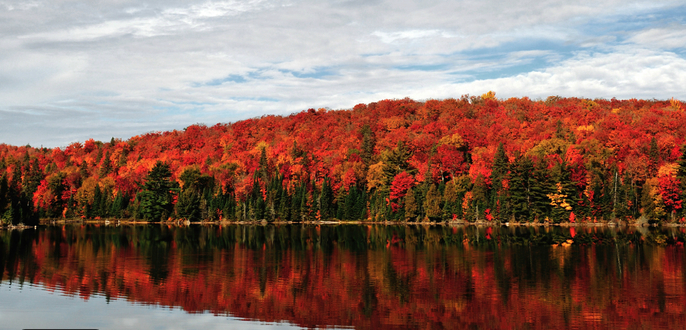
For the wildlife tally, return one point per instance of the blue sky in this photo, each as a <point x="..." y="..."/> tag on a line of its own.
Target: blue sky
<point x="73" y="70"/>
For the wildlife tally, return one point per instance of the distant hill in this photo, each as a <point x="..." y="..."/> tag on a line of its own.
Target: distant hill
<point x="472" y="158"/>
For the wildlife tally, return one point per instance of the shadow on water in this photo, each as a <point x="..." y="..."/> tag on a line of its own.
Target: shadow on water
<point x="369" y="275"/>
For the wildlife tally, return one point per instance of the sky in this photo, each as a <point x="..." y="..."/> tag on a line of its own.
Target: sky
<point x="74" y="70"/>
<point x="35" y="306"/>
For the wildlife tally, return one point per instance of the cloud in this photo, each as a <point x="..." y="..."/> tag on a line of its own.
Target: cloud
<point x="407" y="35"/>
<point x="624" y="73"/>
<point x="673" y="37"/>
<point x="169" y="21"/>
<point x="57" y="310"/>
<point x="120" y="68"/>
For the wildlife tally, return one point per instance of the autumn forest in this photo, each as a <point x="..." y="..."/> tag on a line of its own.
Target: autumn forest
<point x="472" y="159"/>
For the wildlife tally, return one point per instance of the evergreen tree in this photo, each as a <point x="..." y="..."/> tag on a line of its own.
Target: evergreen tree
<point x="57" y="187"/>
<point x="264" y="166"/>
<point x="480" y="197"/>
<point x="32" y="177"/>
<point x="450" y="201"/>
<point x="94" y="209"/>
<point x="411" y="207"/>
<point x="106" y="203"/>
<point x="395" y="162"/>
<point x="563" y="193"/>
<point x="296" y="202"/>
<point x="539" y="189"/>
<point x="98" y="156"/>
<point x="368" y="144"/>
<point x="83" y="170"/>
<point x="305" y="204"/>
<point x="4" y="200"/>
<point x="284" y="204"/>
<point x="188" y="205"/>
<point x="157" y="194"/>
<point x="119" y="205"/>
<point x="681" y="176"/>
<point x="520" y="188"/>
<point x="360" y="204"/>
<point x="122" y="158"/>
<point x="326" y="200"/>
<point x="627" y="197"/>
<point x="498" y="174"/>
<point x="432" y="204"/>
<point x="340" y="204"/>
<point x="106" y="167"/>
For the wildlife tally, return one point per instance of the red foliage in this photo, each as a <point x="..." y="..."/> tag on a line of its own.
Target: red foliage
<point x="669" y="191"/>
<point x="401" y="184"/>
<point x="314" y="144"/>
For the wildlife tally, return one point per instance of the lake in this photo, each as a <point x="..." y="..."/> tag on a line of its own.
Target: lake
<point x="342" y="276"/>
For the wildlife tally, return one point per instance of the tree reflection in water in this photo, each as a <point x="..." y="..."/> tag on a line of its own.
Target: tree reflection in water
<point x="369" y="276"/>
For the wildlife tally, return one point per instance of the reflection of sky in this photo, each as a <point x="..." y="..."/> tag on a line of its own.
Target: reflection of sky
<point x="29" y="306"/>
<point x="77" y="70"/>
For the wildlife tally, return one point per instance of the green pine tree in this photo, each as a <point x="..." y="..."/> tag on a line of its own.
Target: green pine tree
<point x="411" y="207"/>
<point x="157" y="194"/>
<point x="520" y="188"/>
<point x="432" y="204"/>
<point x="499" y="172"/>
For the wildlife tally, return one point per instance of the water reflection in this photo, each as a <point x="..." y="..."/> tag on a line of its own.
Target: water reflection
<point x="366" y="276"/>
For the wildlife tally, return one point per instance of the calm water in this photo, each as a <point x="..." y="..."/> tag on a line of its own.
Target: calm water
<point x="344" y="276"/>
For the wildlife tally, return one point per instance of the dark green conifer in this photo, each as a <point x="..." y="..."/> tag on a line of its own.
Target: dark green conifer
<point x="157" y="194"/>
<point x="499" y="171"/>
<point x="432" y="204"/>
<point x="411" y="207"/>
<point x="520" y="188"/>
<point x="326" y="201"/>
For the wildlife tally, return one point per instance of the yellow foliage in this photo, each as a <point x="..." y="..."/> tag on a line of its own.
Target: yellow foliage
<point x="466" y="202"/>
<point x="84" y="195"/>
<point x="549" y="147"/>
<point x="375" y="176"/>
<point x="258" y="148"/>
<point x="669" y="169"/>
<point x="676" y="105"/>
<point x="586" y="128"/>
<point x="454" y="140"/>
<point x="559" y="199"/>
<point x="488" y="96"/>
<point x="653" y="186"/>
<point x="590" y="104"/>
<point x="107" y="183"/>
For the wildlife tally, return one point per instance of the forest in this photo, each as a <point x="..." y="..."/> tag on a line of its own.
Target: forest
<point x="473" y="159"/>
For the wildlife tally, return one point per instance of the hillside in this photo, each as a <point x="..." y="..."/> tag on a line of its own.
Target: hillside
<point x="472" y="158"/>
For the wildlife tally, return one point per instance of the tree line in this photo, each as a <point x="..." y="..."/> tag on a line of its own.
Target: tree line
<point x="472" y="159"/>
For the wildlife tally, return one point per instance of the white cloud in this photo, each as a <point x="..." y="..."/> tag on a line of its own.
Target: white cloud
<point x="170" y="21"/>
<point x="95" y="63"/>
<point x="391" y="37"/>
<point x="666" y="38"/>
<point x="23" y="5"/>
<point x="625" y="73"/>
<point x="35" y="306"/>
<point x="215" y="9"/>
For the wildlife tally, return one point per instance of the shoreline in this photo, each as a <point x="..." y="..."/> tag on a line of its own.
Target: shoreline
<point x="129" y="222"/>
